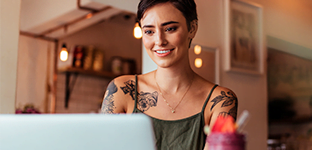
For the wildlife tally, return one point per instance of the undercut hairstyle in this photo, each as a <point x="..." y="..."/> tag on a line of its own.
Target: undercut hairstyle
<point x="187" y="7"/>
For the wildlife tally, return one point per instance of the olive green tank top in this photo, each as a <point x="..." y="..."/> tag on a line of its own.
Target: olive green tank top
<point x="183" y="134"/>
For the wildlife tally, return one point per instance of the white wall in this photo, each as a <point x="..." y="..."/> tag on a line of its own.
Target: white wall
<point x="9" y="30"/>
<point x="129" y="5"/>
<point x="288" y="20"/>
<point x="34" y="72"/>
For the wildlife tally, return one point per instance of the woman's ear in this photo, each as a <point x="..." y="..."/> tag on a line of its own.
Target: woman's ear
<point x="193" y="29"/>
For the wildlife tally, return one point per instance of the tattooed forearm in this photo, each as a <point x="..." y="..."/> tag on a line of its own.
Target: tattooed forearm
<point x="145" y="100"/>
<point x="108" y="101"/>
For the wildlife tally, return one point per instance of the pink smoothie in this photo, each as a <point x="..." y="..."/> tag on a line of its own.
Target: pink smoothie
<point x="226" y="141"/>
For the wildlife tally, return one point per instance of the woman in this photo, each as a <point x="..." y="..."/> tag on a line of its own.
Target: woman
<point x="179" y="101"/>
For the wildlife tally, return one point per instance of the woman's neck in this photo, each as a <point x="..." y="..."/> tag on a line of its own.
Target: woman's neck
<point x="172" y="80"/>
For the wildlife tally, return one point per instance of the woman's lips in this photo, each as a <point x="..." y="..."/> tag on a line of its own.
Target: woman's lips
<point x="163" y="53"/>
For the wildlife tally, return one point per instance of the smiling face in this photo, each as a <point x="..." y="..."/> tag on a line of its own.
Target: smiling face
<point x="165" y="34"/>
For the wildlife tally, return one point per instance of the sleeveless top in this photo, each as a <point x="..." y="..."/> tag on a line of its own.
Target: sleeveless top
<point x="186" y="134"/>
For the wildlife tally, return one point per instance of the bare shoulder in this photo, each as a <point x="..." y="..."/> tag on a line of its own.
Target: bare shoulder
<point x="223" y="102"/>
<point x="214" y="88"/>
<point x="223" y="90"/>
<point x="121" y="80"/>
<point x="115" y="100"/>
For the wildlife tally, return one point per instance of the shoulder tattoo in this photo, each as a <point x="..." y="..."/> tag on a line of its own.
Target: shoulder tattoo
<point x="129" y="88"/>
<point x="145" y="100"/>
<point x="228" y="100"/>
<point x="108" y="101"/>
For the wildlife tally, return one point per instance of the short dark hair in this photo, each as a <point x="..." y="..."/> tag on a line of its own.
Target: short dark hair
<point x="187" y="7"/>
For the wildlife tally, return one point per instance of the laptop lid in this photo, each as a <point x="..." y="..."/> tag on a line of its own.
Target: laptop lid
<point x="76" y="132"/>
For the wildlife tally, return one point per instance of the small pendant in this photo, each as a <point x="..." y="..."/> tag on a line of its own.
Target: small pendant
<point x="173" y="111"/>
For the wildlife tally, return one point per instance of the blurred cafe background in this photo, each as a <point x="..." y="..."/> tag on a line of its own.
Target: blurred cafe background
<point x="58" y="56"/>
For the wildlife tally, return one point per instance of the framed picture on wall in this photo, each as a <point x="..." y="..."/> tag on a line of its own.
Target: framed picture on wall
<point x="244" y="47"/>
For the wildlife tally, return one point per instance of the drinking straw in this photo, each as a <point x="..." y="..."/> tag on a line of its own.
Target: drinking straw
<point x="242" y="121"/>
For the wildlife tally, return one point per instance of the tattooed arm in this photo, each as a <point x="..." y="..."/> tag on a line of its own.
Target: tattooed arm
<point x="223" y="103"/>
<point x="112" y="101"/>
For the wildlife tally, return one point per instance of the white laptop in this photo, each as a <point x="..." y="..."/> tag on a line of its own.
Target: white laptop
<point x="76" y="132"/>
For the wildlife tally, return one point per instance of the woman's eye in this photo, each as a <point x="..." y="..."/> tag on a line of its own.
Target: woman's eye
<point x="148" y="32"/>
<point x="171" y="29"/>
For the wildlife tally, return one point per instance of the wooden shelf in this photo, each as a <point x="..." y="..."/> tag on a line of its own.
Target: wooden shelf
<point x="76" y="71"/>
<point x="103" y="74"/>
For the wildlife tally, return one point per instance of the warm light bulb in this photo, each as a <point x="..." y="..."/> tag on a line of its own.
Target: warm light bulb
<point x="63" y="55"/>
<point x="197" y="49"/>
<point x="198" y="62"/>
<point x="137" y="32"/>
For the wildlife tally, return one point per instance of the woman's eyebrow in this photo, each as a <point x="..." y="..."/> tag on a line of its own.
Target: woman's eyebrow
<point x="148" y="26"/>
<point x="167" y="23"/>
<point x="163" y="24"/>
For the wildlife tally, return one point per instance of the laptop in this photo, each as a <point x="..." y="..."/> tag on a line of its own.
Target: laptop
<point x="76" y="132"/>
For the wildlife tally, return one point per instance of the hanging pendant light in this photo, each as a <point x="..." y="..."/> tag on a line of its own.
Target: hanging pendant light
<point x="64" y="53"/>
<point x="137" y="31"/>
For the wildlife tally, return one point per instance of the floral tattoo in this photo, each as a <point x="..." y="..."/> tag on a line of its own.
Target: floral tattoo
<point x="229" y="99"/>
<point x="108" y="101"/>
<point x="145" y="100"/>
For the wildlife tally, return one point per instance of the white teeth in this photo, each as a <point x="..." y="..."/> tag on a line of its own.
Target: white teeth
<point x="162" y="52"/>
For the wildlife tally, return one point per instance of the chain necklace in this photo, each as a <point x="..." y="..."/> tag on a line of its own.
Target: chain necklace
<point x="172" y="109"/>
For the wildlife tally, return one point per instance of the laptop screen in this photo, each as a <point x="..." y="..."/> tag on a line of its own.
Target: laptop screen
<point x="76" y="132"/>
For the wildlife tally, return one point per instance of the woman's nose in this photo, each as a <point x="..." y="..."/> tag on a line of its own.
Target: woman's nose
<point x="160" y="39"/>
